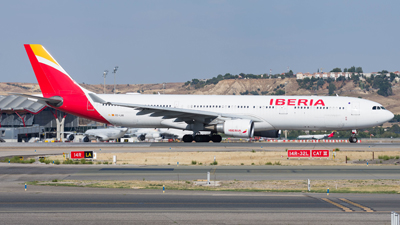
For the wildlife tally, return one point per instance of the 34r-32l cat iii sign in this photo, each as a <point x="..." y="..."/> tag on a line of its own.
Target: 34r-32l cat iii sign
<point x="82" y="155"/>
<point x="308" y="153"/>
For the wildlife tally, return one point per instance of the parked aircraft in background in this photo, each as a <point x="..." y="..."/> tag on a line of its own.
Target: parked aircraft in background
<point x="105" y="134"/>
<point x="159" y="133"/>
<point x="143" y="133"/>
<point x="316" y="136"/>
<point x="238" y="116"/>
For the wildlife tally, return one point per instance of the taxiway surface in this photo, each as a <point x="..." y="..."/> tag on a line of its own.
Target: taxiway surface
<point x="42" y="172"/>
<point x="70" y="205"/>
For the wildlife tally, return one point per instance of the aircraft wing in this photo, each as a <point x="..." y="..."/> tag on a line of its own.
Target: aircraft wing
<point x="179" y="113"/>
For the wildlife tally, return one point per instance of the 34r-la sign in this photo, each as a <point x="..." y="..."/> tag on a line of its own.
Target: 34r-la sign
<point x="308" y="153"/>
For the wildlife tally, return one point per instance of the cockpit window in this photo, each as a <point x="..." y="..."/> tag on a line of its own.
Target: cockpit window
<point x="378" y="108"/>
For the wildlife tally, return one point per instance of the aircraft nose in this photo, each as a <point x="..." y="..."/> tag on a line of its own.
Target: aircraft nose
<point x="387" y="116"/>
<point x="390" y="115"/>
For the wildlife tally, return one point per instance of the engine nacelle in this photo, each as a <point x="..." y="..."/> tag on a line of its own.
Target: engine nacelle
<point x="70" y="137"/>
<point x="237" y="128"/>
<point x="156" y="135"/>
<point x="141" y="137"/>
<point x="268" y="133"/>
<point x="86" y="139"/>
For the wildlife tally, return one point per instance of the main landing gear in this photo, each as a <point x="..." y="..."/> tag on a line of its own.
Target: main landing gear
<point x="353" y="138"/>
<point x="202" y="138"/>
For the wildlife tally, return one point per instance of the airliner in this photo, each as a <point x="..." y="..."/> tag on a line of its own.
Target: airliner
<point x="237" y="116"/>
<point x="316" y="136"/>
<point x="104" y="134"/>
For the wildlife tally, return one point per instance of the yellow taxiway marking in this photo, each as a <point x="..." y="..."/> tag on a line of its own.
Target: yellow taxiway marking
<point x="366" y="209"/>
<point x="344" y="208"/>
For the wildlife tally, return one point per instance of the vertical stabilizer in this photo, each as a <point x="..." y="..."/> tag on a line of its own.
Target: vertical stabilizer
<point x="52" y="78"/>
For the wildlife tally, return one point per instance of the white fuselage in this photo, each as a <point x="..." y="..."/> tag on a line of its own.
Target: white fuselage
<point x="275" y="112"/>
<point x="105" y="134"/>
<point x="317" y="136"/>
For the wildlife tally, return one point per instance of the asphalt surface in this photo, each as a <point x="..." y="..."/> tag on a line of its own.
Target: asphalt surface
<point x="69" y="205"/>
<point x="42" y="172"/>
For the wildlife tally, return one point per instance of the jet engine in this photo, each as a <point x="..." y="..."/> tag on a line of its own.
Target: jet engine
<point x="86" y="139"/>
<point x="70" y="137"/>
<point x="268" y="133"/>
<point x="141" y="137"/>
<point x="237" y="128"/>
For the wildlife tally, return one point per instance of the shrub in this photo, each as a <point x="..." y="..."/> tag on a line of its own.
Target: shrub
<point x="55" y="180"/>
<point x="252" y="164"/>
<point x="107" y="163"/>
<point x="98" y="162"/>
<point x="83" y="161"/>
<point x="347" y="158"/>
<point x="253" y="151"/>
<point x="68" y="161"/>
<point x="277" y="163"/>
<point x="214" y="163"/>
<point x="32" y="160"/>
<point x="397" y="157"/>
<point x="384" y="157"/>
<point x="57" y="162"/>
<point x="200" y="163"/>
<point x="242" y="164"/>
<point x="90" y="162"/>
<point x="268" y="163"/>
<point x="47" y="161"/>
<point x="194" y="162"/>
<point x="337" y="149"/>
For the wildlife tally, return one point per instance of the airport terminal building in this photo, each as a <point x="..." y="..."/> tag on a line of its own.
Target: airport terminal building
<point x="21" y="120"/>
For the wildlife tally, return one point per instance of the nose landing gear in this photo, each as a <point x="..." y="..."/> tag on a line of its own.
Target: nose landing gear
<point x="353" y="138"/>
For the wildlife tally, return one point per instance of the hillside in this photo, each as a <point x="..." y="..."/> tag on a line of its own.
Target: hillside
<point x="229" y="87"/>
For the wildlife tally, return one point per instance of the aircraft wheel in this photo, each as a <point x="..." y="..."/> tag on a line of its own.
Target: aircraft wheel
<point x="216" y="138"/>
<point x="187" y="138"/>
<point x="353" y="140"/>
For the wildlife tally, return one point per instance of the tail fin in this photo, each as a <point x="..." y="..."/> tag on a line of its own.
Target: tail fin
<point x="52" y="78"/>
<point x="58" y="88"/>
<point x="331" y="134"/>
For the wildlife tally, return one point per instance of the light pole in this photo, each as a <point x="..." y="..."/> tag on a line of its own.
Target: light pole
<point x="115" y="72"/>
<point x="104" y="75"/>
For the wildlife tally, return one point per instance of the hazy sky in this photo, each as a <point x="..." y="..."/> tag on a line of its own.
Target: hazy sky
<point x="170" y="41"/>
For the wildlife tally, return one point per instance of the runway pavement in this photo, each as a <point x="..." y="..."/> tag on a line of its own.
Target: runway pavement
<point x="70" y="205"/>
<point x="35" y="172"/>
